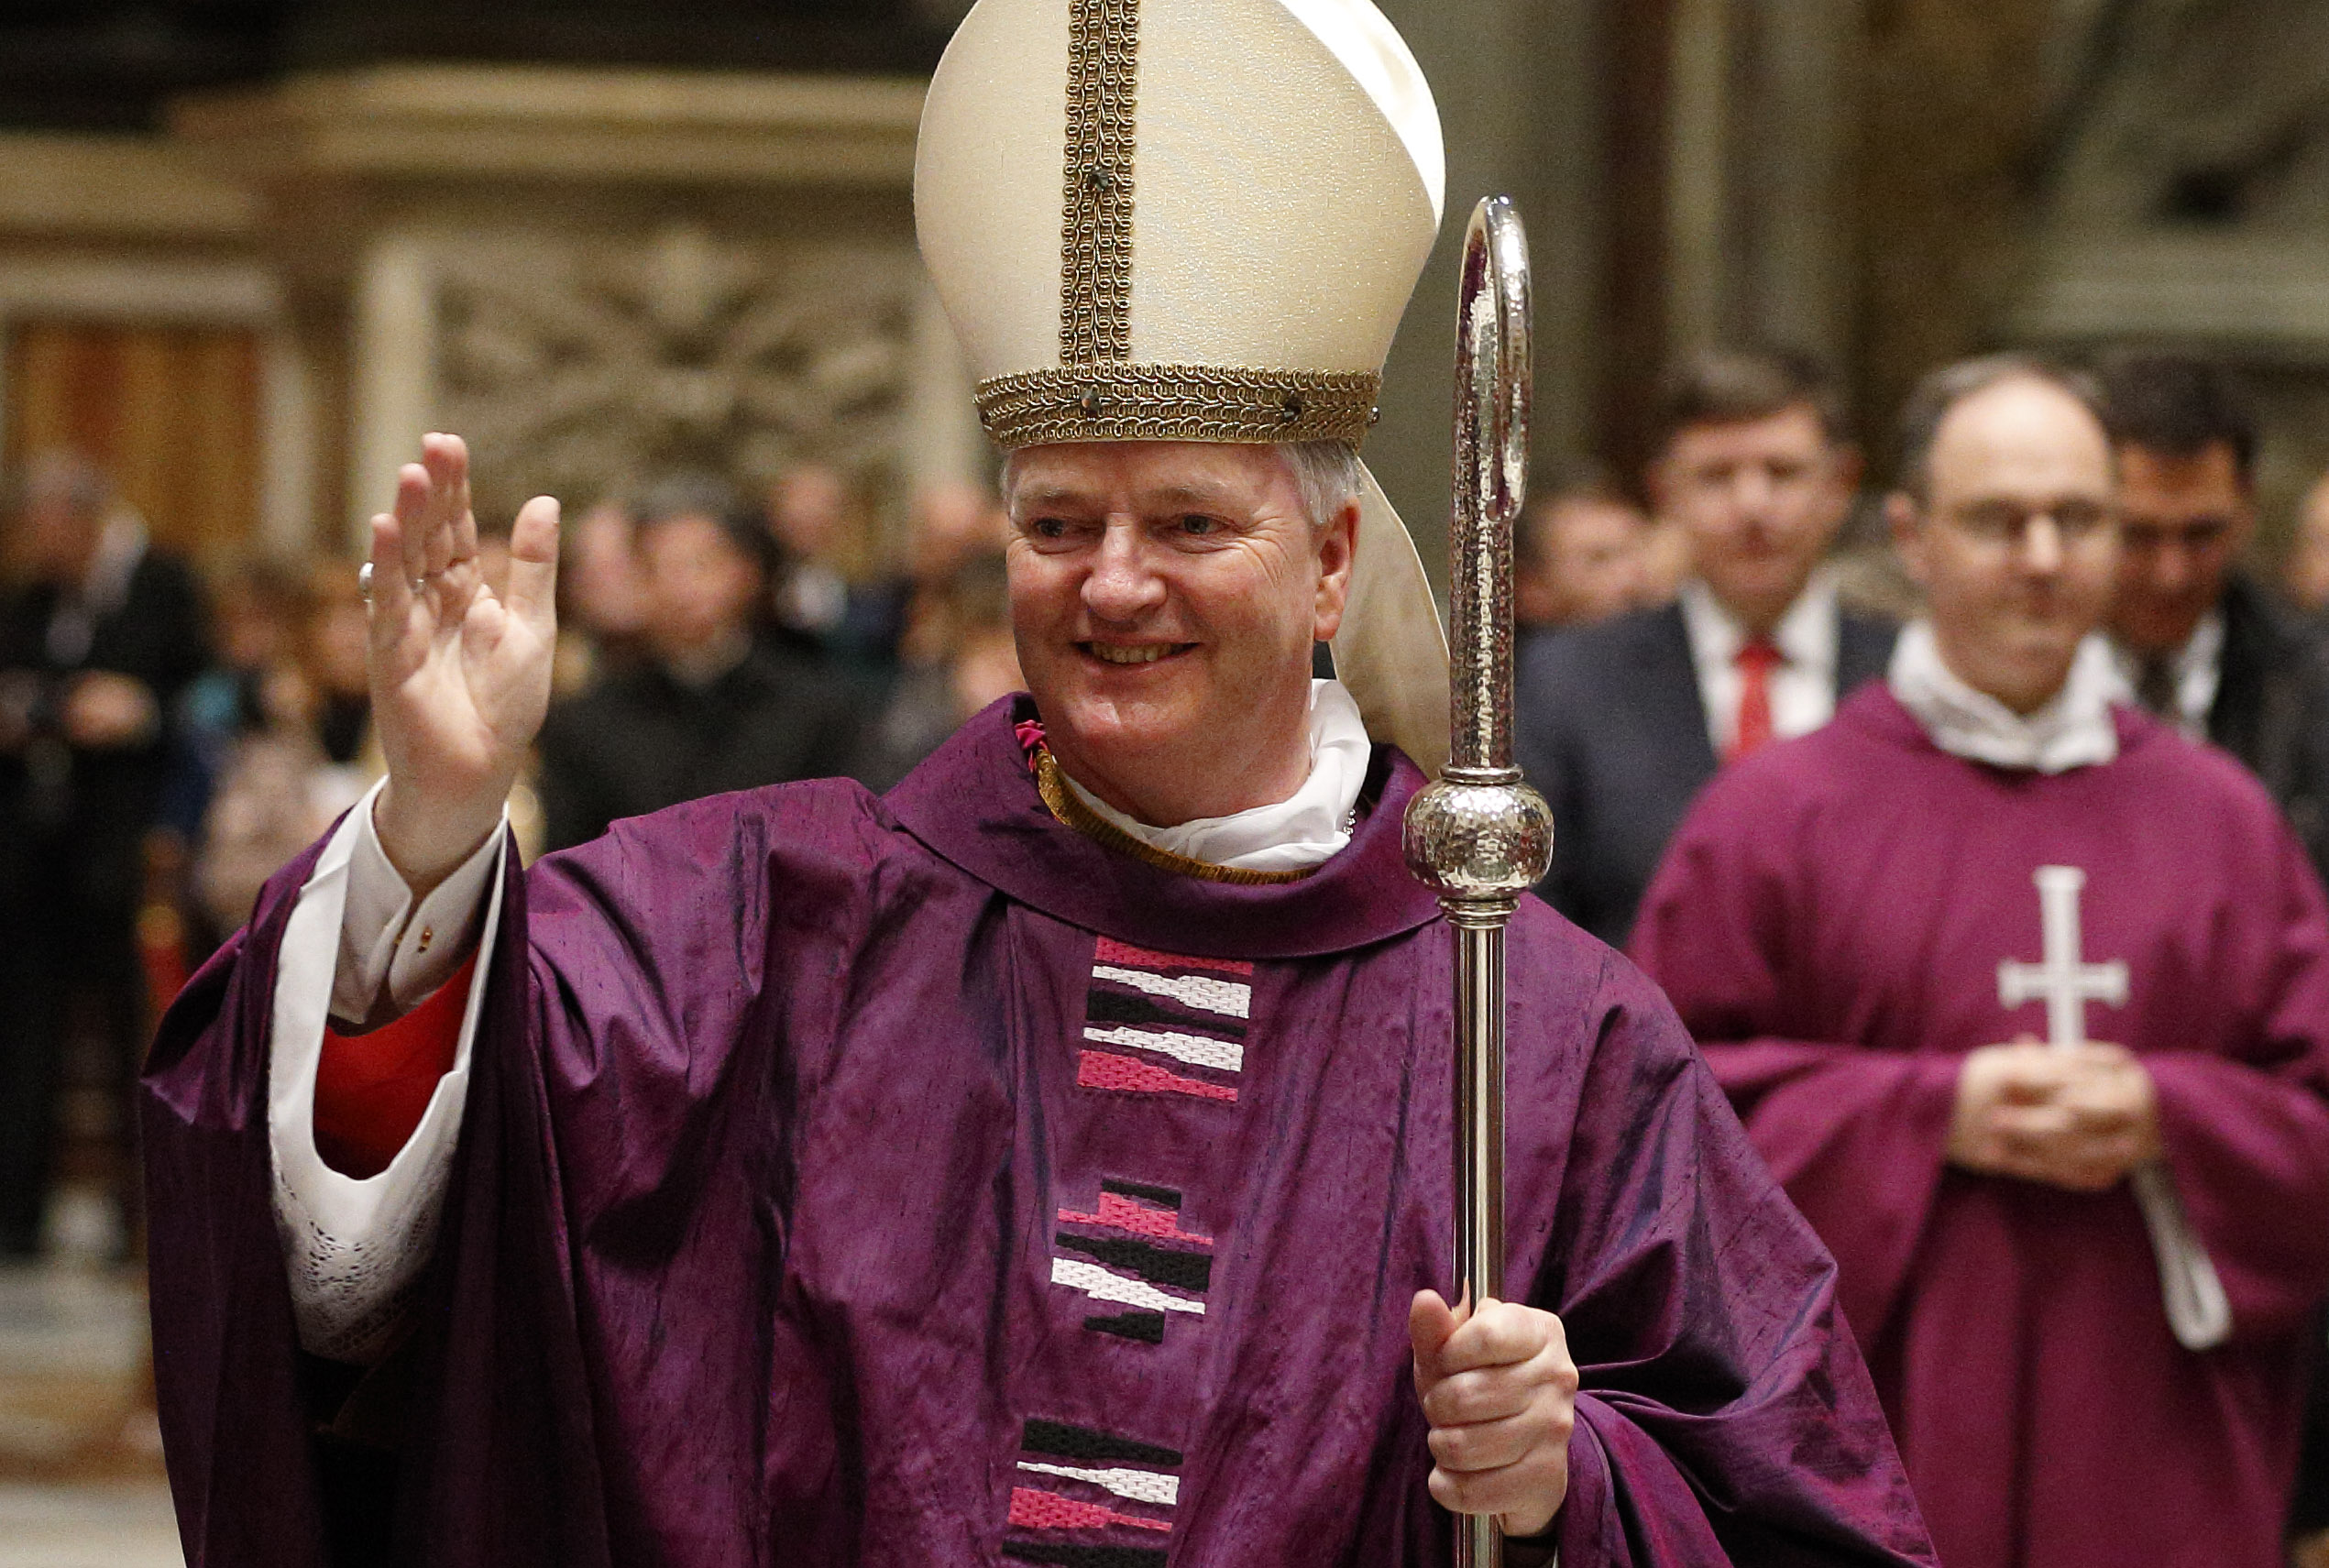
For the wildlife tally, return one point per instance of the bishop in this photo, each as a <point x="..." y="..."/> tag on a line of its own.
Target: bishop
<point x="1047" y="1162"/>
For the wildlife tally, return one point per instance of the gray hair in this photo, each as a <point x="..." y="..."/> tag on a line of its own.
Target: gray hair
<point x="1942" y="390"/>
<point x="1328" y="473"/>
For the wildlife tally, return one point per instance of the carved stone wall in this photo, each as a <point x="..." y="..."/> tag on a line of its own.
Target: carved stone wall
<point x="579" y="367"/>
<point x="600" y="276"/>
<point x="2187" y="205"/>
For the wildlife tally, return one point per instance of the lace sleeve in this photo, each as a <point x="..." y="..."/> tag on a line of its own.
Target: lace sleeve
<point x="354" y="1249"/>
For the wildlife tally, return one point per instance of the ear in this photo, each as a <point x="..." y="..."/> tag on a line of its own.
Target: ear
<point x="1908" y="525"/>
<point x="1849" y="466"/>
<point x="1336" y="546"/>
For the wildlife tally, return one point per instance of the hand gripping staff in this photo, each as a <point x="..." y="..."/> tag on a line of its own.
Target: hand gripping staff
<point x="1480" y="838"/>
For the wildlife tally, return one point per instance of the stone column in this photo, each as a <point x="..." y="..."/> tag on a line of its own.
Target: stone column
<point x="1521" y="98"/>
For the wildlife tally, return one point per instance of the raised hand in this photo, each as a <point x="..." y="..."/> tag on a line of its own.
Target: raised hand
<point x="1499" y="1390"/>
<point x="460" y="679"/>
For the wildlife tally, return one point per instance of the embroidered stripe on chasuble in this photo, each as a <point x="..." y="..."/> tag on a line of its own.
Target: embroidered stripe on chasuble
<point x="1125" y="1264"/>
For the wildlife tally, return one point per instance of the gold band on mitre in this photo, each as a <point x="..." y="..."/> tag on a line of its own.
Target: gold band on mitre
<point x="1177" y="402"/>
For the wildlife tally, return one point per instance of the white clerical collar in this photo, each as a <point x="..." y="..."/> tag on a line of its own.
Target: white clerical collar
<point x="1807" y="636"/>
<point x="1301" y="832"/>
<point x="2073" y="731"/>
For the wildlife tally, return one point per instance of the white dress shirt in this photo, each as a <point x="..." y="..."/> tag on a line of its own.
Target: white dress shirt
<point x="2197" y="668"/>
<point x="1803" y="686"/>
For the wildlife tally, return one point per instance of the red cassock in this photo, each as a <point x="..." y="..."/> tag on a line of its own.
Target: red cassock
<point x="1830" y="923"/>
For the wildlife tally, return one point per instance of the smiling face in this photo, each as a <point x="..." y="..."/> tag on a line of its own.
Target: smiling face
<point x="2184" y="520"/>
<point x="1165" y="597"/>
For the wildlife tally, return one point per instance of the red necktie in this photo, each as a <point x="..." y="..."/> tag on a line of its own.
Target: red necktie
<point x="1756" y="662"/>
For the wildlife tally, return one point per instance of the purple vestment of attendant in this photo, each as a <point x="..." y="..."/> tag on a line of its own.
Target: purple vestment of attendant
<point x="915" y="1180"/>
<point x="1830" y="923"/>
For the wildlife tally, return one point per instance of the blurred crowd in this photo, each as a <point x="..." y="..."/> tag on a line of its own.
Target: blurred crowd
<point x="170" y="739"/>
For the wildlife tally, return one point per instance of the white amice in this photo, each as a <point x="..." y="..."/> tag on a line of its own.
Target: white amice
<point x="1305" y="829"/>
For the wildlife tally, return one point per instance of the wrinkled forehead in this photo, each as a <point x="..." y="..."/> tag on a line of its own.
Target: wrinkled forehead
<point x="1148" y="477"/>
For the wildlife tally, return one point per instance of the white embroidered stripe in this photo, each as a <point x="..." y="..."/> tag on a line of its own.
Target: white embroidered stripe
<point x="1141" y="1486"/>
<point x="1198" y="991"/>
<point x="1102" y="1286"/>
<point x="1225" y="1056"/>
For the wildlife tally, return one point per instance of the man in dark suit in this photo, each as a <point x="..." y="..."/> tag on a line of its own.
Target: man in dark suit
<point x="709" y="709"/>
<point x="2206" y="647"/>
<point x="96" y="643"/>
<point x="2199" y="639"/>
<point x="1621" y="724"/>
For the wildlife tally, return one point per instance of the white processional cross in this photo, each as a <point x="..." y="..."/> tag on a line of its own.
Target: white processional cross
<point x="2063" y="980"/>
<point x="2066" y="983"/>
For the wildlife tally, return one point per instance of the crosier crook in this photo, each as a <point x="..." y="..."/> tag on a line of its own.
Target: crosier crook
<point x="1480" y="838"/>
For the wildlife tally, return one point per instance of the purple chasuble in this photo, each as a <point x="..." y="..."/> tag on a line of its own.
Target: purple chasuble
<point x="1830" y="923"/>
<point x="914" y="1180"/>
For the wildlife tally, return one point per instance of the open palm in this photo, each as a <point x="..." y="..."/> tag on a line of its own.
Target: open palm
<point x="460" y="678"/>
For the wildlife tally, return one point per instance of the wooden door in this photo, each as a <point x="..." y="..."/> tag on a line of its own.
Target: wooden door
<point x="171" y="412"/>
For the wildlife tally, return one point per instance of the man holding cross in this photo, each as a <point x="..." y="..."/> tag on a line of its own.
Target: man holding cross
<point x="2083" y="1271"/>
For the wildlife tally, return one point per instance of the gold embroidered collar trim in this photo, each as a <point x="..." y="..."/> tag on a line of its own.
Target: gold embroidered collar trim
<point x="1070" y="812"/>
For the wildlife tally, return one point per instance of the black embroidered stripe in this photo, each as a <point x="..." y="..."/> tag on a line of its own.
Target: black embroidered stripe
<point x="1163" y="1197"/>
<point x="1146" y="1327"/>
<point x="1067" y="1556"/>
<point x="1105" y="1007"/>
<point x="1181" y="1270"/>
<point x="1082" y="1442"/>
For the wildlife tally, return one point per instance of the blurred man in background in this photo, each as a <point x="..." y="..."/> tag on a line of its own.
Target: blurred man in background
<point x="308" y="757"/>
<point x="708" y="709"/>
<point x="1582" y="559"/>
<point x="1620" y="725"/>
<point x="2304" y="575"/>
<point x="962" y="658"/>
<point x="97" y="641"/>
<point x="2199" y="639"/>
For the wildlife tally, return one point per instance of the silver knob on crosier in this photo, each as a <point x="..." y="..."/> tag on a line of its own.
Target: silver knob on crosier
<point x="1480" y="836"/>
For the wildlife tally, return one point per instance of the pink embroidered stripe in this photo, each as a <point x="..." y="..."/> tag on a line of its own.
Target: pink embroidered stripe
<point x="1031" y="1509"/>
<point x="1106" y="1070"/>
<point x="1113" y="953"/>
<point x="1121" y="1213"/>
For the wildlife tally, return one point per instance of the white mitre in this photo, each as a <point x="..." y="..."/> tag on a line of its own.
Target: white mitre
<point x="1197" y="220"/>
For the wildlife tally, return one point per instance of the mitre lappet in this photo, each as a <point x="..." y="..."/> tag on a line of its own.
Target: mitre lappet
<point x="1197" y="220"/>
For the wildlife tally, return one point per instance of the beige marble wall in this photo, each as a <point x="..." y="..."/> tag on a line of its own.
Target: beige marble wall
<point x="601" y="275"/>
<point x="597" y="274"/>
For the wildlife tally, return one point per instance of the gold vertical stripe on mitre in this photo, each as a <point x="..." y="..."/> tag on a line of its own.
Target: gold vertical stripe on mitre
<point x="1095" y="249"/>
